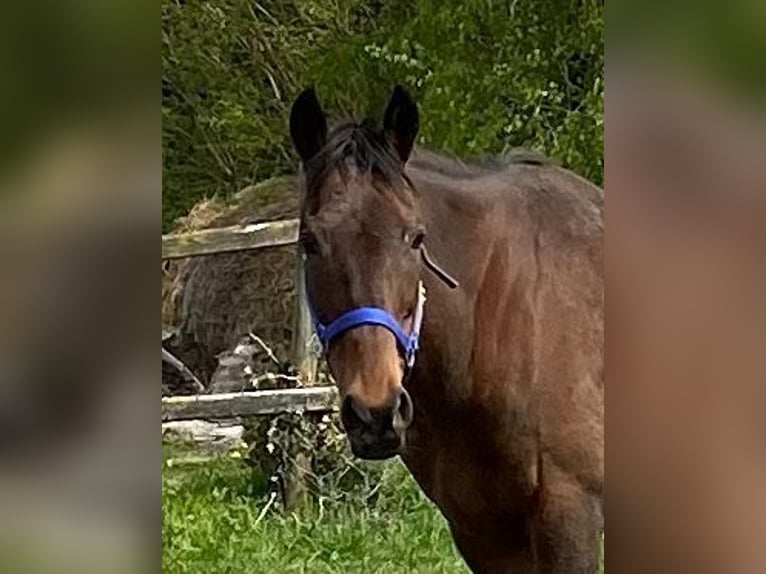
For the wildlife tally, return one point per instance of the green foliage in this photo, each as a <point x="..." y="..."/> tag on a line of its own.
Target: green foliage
<point x="334" y="475"/>
<point x="488" y="76"/>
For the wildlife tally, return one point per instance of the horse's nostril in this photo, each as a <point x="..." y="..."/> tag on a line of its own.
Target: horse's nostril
<point x="396" y="416"/>
<point x="354" y="414"/>
<point x="405" y="410"/>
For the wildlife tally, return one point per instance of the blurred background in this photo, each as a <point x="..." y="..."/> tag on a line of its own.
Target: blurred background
<point x="685" y="272"/>
<point x="80" y="189"/>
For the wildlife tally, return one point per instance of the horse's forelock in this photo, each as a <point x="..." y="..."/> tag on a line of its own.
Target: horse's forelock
<point x="361" y="147"/>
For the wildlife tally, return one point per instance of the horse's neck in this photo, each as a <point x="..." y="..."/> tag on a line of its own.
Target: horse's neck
<point x="452" y="218"/>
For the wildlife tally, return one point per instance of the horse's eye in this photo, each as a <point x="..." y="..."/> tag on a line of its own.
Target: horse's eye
<point x="308" y="242"/>
<point x="417" y="239"/>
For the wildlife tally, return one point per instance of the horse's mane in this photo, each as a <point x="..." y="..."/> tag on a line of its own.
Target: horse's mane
<point x="362" y="146"/>
<point x="453" y="166"/>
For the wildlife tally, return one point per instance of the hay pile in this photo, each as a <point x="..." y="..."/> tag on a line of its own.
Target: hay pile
<point x="213" y="301"/>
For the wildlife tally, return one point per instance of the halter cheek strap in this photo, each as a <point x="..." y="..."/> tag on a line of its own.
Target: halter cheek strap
<point x="407" y="343"/>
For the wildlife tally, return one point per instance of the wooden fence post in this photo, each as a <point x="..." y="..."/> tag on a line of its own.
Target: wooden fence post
<point x="306" y="363"/>
<point x="303" y="355"/>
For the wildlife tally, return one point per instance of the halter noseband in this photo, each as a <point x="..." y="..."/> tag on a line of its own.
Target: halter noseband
<point x="407" y="343"/>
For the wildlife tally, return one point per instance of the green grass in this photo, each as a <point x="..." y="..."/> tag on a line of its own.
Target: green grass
<point x="214" y="521"/>
<point x="210" y="523"/>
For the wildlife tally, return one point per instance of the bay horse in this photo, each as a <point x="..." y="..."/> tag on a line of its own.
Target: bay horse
<point x="460" y="306"/>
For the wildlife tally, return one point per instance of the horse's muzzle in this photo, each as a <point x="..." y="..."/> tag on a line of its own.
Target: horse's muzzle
<point x="377" y="433"/>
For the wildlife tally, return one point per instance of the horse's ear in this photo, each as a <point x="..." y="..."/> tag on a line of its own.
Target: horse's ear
<point x="401" y="122"/>
<point x="308" y="127"/>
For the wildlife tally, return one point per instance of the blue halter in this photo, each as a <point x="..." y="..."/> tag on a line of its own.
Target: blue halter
<point x="407" y="343"/>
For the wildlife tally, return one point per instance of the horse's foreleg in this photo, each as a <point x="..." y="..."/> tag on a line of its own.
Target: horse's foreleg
<point x="566" y="526"/>
<point x="494" y="554"/>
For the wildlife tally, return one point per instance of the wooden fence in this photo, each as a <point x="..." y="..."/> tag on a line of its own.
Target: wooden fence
<point x="225" y="405"/>
<point x="228" y="239"/>
<point x="231" y="405"/>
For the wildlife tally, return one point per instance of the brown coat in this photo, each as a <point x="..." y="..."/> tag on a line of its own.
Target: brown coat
<point x="501" y="419"/>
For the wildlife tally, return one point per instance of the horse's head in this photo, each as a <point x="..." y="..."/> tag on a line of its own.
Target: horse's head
<point x="361" y="233"/>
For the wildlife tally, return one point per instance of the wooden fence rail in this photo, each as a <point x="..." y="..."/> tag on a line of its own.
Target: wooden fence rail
<point x="227" y="239"/>
<point x="232" y="405"/>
